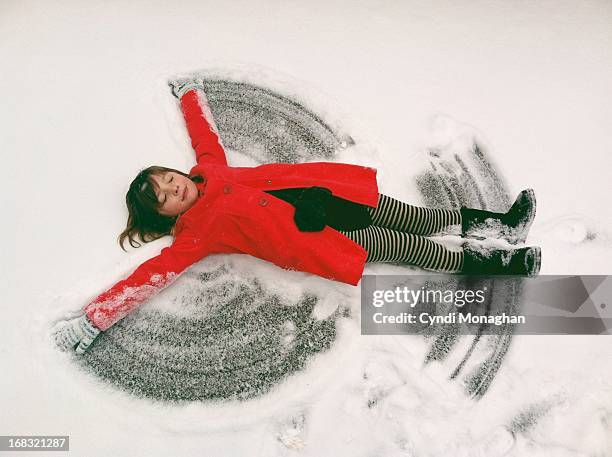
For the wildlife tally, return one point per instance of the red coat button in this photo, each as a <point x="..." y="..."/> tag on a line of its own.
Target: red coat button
<point x="227" y="189"/>
<point x="263" y="201"/>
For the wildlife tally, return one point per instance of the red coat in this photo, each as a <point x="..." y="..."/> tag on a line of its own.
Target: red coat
<point x="234" y="215"/>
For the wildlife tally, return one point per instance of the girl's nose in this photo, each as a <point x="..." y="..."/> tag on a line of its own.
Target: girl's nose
<point x="173" y="189"/>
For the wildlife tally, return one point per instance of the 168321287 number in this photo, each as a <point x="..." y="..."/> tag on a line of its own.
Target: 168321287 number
<point x="34" y="443"/>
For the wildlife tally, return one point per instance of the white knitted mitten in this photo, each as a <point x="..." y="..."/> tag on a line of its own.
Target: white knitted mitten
<point x="79" y="332"/>
<point x="182" y="85"/>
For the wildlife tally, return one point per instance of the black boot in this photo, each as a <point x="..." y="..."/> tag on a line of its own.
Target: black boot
<point x="515" y="262"/>
<point x="513" y="225"/>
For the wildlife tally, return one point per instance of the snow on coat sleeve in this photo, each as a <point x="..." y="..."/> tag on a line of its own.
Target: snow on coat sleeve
<point x="147" y="280"/>
<point x="202" y="129"/>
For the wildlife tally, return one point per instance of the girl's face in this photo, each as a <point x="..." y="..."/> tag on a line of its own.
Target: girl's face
<point x="176" y="193"/>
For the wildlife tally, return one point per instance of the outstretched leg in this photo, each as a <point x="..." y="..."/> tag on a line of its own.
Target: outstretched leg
<point x="387" y="245"/>
<point x="397" y="215"/>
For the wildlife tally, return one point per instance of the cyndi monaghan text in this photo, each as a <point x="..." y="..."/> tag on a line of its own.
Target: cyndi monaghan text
<point x="451" y="318"/>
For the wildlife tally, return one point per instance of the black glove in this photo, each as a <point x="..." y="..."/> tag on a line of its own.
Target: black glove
<point x="310" y="209"/>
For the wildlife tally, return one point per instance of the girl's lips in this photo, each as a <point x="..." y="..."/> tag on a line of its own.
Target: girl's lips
<point x="184" y="193"/>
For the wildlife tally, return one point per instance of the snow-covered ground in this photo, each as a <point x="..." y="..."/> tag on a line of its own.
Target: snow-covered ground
<point x="85" y="107"/>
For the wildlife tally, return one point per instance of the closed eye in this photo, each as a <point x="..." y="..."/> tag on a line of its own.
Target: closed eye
<point x="171" y="178"/>
<point x="165" y="198"/>
<point x="169" y="181"/>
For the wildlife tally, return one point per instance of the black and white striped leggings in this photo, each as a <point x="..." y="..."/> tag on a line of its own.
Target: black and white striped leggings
<point x="397" y="234"/>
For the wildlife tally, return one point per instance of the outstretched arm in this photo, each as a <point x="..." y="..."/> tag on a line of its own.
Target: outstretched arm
<point x="201" y="127"/>
<point x="147" y="280"/>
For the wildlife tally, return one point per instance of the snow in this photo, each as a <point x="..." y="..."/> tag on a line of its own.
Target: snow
<point x="86" y="106"/>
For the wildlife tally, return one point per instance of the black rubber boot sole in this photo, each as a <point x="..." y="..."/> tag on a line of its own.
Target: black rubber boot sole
<point x="520" y="217"/>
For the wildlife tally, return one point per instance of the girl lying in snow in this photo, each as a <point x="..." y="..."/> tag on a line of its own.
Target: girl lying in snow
<point x="324" y="218"/>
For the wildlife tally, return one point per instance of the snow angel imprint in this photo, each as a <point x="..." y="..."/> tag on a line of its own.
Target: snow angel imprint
<point x="321" y="218"/>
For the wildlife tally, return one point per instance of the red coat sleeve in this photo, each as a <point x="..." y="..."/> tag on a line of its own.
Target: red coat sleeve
<point x="201" y="127"/>
<point x="148" y="279"/>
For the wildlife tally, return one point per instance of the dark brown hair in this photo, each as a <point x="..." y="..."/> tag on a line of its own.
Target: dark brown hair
<point x="144" y="219"/>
